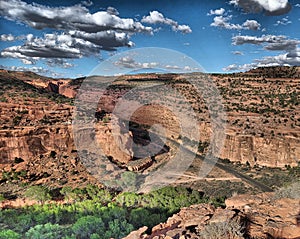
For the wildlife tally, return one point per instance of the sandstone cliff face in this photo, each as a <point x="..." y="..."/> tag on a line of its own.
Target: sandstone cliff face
<point x="66" y="90"/>
<point x="264" y="151"/>
<point x="29" y="142"/>
<point x="61" y="87"/>
<point x="114" y="143"/>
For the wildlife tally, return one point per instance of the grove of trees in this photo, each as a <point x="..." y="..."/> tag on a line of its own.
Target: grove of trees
<point x="94" y="213"/>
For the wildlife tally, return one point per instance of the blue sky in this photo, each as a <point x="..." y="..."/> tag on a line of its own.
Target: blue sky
<point x="71" y="38"/>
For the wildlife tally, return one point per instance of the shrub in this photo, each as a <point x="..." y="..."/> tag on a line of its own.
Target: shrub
<point x="39" y="193"/>
<point x="18" y="160"/>
<point x="290" y="191"/>
<point x="53" y="154"/>
<point x="2" y="198"/>
<point x="9" y="234"/>
<point x="16" y="120"/>
<point x="118" y="229"/>
<point x="46" y="231"/>
<point x="85" y="226"/>
<point x="231" y="229"/>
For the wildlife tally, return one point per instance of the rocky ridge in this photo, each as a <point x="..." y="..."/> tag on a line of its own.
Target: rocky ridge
<point x="245" y="216"/>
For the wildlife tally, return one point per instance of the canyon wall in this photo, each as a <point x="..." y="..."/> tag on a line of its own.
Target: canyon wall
<point x="29" y="142"/>
<point x="264" y="151"/>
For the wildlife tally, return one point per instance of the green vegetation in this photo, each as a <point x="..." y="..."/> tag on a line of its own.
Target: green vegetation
<point x="2" y="198"/>
<point x="290" y="191"/>
<point x="39" y="193"/>
<point x="17" y="119"/>
<point x="94" y="213"/>
<point x="46" y="231"/>
<point x="230" y="229"/>
<point x="9" y="234"/>
<point x="8" y="176"/>
<point x="3" y="99"/>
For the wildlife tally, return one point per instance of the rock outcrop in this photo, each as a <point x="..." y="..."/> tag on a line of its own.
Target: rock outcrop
<point x="115" y="142"/>
<point x="245" y="216"/>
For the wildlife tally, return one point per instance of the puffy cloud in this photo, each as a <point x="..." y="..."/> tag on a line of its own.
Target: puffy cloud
<point x="180" y="68"/>
<point x="87" y="3"/>
<point x="235" y="67"/>
<point x="126" y="62"/>
<point x="28" y="61"/>
<point x="238" y="53"/>
<point x="284" y="21"/>
<point x="129" y="62"/>
<point x="240" y="39"/>
<point x="59" y="62"/>
<point x="187" y="68"/>
<point x="271" y="42"/>
<point x="251" y="25"/>
<point x="106" y="40"/>
<point x="291" y="56"/>
<point x="39" y="70"/>
<point x="289" y="59"/>
<point x="172" y="67"/>
<point x="8" y="37"/>
<point x="74" y="44"/>
<point x="67" y="18"/>
<point x="220" y="11"/>
<point x="247" y="67"/>
<point x="270" y="7"/>
<point x="185" y="29"/>
<point x="112" y="11"/>
<point x="223" y="22"/>
<point x="52" y="46"/>
<point x="83" y="33"/>
<point x="156" y="17"/>
<point x="285" y="45"/>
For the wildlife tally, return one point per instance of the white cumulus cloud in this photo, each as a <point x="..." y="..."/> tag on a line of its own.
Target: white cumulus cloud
<point x="224" y="22"/>
<point x="270" y="7"/>
<point x="220" y="11"/>
<point x="289" y="47"/>
<point x="75" y="17"/>
<point x="156" y="17"/>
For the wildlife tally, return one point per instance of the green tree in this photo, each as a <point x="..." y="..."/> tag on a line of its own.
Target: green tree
<point x="118" y="229"/>
<point x="24" y="222"/>
<point x="9" y="234"/>
<point x="85" y="226"/>
<point x="46" y="231"/>
<point x="95" y="236"/>
<point x="139" y="217"/>
<point x="39" y="193"/>
<point x="104" y="196"/>
<point x="2" y="198"/>
<point x="68" y="193"/>
<point x="128" y="181"/>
